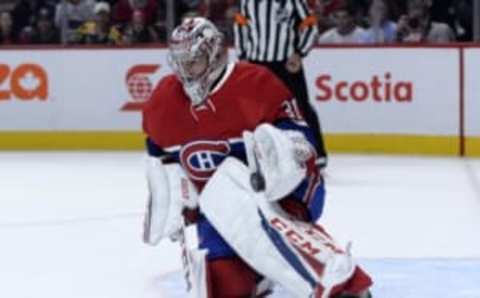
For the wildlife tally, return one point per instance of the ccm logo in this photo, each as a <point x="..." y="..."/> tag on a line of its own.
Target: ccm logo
<point x="24" y="82"/>
<point x="294" y="237"/>
<point x="376" y="90"/>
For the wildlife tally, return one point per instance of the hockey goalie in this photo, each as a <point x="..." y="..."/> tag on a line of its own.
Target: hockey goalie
<point x="229" y="153"/>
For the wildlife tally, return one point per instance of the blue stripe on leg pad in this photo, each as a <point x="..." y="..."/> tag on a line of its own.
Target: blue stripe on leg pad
<point x="286" y="251"/>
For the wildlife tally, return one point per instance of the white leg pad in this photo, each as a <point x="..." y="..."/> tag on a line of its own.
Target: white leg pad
<point x="323" y="259"/>
<point x="228" y="204"/>
<point x="299" y="256"/>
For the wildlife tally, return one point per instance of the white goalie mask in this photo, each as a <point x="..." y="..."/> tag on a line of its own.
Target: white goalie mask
<point x="198" y="56"/>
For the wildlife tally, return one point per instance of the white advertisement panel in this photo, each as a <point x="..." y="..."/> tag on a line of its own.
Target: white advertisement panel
<point x="81" y="89"/>
<point x="366" y="90"/>
<point x="385" y="90"/>
<point x="472" y="92"/>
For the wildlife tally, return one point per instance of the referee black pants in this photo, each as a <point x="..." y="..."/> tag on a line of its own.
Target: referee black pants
<point x="298" y="86"/>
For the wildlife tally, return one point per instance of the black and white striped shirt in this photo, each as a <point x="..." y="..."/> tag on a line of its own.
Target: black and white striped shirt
<point x="272" y="30"/>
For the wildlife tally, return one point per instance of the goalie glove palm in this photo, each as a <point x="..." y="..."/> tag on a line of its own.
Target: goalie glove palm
<point x="273" y="155"/>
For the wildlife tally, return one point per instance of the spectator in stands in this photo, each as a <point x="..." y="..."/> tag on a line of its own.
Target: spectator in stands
<point x="6" y="29"/>
<point x="345" y="30"/>
<point x="230" y="21"/>
<point x="222" y="13"/>
<point x="188" y="9"/>
<point x="326" y="9"/>
<point x="442" y="11"/>
<point x="100" y="30"/>
<point x="323" y="12"/>
<point x="417" y="26"/>
<point x="382" y="29"/>
<point x="25" y="12"/>
<point x="123" y="10"/>
<point x="395" y="8"/>
<point x="463" y="19"/>
<point x="44" y="31"/>
<point x="327" y="6"/>
<point x="70" y="15"/>
<point x="161" y="25"/>
<point x="458" y="14"/>
<point x="137" y="31"/>
<point x="25" y="35"/>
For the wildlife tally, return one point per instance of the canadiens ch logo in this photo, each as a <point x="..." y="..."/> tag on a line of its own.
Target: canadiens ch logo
<point x="201" y="158"/>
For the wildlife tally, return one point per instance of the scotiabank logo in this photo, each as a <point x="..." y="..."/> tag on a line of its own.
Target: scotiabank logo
<point x="139" y="85"/>
<point x="24" y="82"/>
<point x="377" y="89"/>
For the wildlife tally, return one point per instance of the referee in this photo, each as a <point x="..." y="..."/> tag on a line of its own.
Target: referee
<point x="278" y="34"/>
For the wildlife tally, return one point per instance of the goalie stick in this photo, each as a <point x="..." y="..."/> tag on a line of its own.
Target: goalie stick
<point x="186" y="261"/>
<point x="193" y="262"/>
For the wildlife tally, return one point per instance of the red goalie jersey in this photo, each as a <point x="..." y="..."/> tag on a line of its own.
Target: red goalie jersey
<point x="200" y="137"/>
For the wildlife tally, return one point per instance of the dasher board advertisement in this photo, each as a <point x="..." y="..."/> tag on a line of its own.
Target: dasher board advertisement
<point x="385" y="90"/>
<point x="77" y="90"/>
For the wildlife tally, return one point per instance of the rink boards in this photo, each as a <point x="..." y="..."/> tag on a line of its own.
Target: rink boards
<point x="370" y="99"/>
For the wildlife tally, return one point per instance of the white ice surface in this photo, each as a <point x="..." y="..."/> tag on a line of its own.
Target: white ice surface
<point x="70" y="226"/>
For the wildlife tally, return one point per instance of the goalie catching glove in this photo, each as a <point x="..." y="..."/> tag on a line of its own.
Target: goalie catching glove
<point x="277" y="159"/>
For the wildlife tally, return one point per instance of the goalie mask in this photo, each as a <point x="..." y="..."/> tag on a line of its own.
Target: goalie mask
<point x="198" y="56"/>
